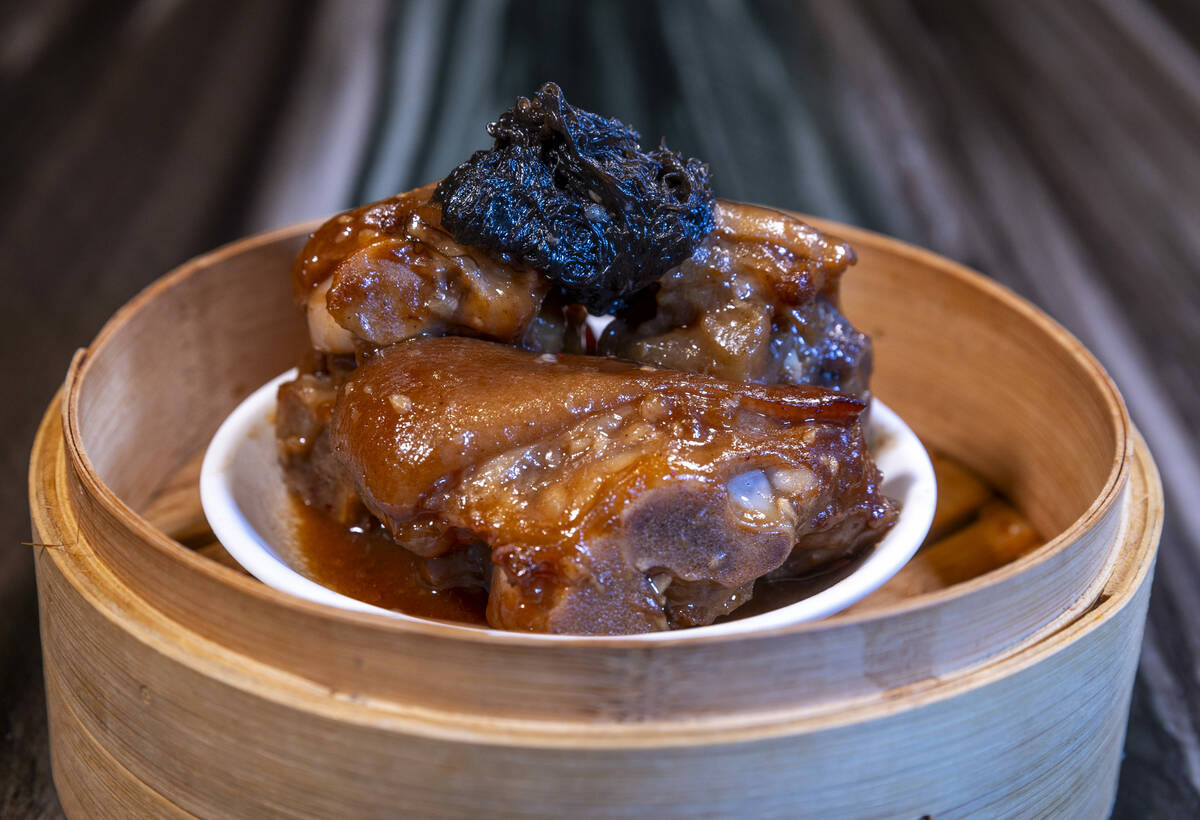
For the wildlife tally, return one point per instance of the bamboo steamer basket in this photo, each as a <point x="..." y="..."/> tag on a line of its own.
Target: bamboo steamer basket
<point x="178" y="686"/>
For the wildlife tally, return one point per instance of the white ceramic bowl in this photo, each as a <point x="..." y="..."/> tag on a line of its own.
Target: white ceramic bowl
<point x="246" y="503"/>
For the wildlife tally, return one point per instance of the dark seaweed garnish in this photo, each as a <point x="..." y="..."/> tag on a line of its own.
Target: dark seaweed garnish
<point x="572" y="194"/>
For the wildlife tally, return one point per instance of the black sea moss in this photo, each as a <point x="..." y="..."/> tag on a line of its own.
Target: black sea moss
<point x="572" y="194"/>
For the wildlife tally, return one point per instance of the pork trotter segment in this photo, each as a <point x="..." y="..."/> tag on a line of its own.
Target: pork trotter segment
<point x="614" y="498"/>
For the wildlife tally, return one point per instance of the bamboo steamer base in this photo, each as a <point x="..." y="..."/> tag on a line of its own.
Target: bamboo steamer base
<point x="181" y="687"/>
<point x="149" y="719"/>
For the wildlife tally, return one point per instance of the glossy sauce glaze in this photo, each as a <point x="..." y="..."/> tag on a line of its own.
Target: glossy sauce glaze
<point x="615" y="498"/>
<point x="367" y="565"/>
<point x="387" y="271"/>
<point x="975" y="531"/>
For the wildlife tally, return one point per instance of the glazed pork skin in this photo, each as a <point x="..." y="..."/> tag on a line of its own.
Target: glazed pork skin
<point x="757" y="301"/>
<point x="377" y="275"/>
<point x="387" y="271"/>
<point x="302" y="412"/>
<point x="614" y="498"/>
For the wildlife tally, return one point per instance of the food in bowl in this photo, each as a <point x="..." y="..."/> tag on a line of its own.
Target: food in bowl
<point x="612" y="497"/>
<point x="456" y="399"/>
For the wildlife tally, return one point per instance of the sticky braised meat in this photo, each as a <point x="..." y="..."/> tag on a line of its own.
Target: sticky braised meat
<point x="756" y="301"/>
<point x="582" y="494"/>
<point x="387" y="271"/>
<point x="614" y="498"/>
<point x="302" y="413"/>
<point x="380" y="274"/>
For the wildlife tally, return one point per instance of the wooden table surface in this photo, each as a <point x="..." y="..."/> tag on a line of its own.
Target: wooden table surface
<point x="1054" y="146"/>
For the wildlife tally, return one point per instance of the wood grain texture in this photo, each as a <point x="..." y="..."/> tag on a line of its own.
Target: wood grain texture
<point x="1047" y="144"/>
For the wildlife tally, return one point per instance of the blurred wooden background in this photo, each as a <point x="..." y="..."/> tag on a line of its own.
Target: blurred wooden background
<point x="1053" y="145"/>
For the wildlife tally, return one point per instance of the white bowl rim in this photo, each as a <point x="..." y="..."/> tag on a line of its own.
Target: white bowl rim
<point x="244" y="543"/>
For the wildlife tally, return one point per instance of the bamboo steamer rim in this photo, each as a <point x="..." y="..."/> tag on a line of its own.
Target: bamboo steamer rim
<point x="76" y="453"/>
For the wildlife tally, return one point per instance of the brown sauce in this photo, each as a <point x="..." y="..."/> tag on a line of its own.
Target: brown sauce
<point x="982" y="533"/>
<point x="370" y="567"/>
